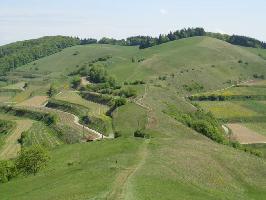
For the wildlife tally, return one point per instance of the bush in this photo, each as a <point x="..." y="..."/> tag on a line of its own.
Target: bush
<point x="32" y="160"/>
<point x="75" y="82"/>
<point x="141" y="134"/>
<point x="47" y="118"/>
<point x="8" y="171"/>
<point x="128" y="92"/>
<point x="204" y="123"/>
<point x="52" y="91"/>
<point x="117" y="134"/>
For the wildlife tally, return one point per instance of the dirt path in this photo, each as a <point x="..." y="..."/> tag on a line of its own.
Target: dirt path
<point x="11" y="146"/>
<point x="244" y="135"/>
<point x="152" y="121"/>
<point x="121" y="184"/>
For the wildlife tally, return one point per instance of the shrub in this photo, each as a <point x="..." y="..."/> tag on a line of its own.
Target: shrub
<point x="117" y="134"/>
<point x="205" y="124"/>
<point x="141" y="134"/>
<point x="8" y="171"/>
<point x="128" y="92"/>
<point x="32" y="160"/>
<point x="75" y="82"/>
<point x="52" y="91"/>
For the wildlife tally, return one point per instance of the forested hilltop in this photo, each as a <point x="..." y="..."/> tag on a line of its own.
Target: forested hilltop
<point x="19" y="53"/>
<point x="147" y="41"/>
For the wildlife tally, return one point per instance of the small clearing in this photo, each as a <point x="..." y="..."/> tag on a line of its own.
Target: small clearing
<point x="244" y="135"/>
<point x="11" y="147"/>
<point x="36" y="101"/>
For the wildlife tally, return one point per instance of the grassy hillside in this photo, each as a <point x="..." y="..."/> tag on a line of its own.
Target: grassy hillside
<point x="175" y="162"/>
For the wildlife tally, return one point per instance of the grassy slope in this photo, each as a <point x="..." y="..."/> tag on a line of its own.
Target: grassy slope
<point x="180" y="164"/>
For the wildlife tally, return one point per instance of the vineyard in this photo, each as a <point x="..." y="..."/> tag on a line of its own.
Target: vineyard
<point x="42" y="135"/>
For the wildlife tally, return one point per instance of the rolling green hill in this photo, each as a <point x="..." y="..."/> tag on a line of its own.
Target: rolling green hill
<point x="175" y="162"/>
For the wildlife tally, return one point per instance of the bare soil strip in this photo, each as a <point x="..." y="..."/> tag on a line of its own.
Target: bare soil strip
<point x="244" y="135"/>
<point x="11" y="147"/>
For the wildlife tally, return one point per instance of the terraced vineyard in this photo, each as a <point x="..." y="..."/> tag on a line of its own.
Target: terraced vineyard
<point x="39" y="134"/>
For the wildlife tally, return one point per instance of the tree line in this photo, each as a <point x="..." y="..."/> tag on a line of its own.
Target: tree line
<point x="20" y="53"/>
<point x="238" y="40"/>
<point x="148" y="41"/>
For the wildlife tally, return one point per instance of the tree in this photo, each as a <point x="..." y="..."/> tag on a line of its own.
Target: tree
<point x="75" y="82"/>
<point x="32" y="160"/>
<point x="52" y="91"/>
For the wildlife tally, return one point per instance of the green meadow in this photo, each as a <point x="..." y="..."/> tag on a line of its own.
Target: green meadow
<point x="175" y="161"/>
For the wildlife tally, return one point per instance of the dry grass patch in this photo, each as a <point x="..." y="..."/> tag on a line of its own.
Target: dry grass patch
<point x="36" y="101"/>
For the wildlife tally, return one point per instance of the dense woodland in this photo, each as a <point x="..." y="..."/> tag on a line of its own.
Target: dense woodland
<point x="20" y="53"/>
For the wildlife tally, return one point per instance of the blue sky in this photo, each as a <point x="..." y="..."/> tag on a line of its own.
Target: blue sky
<point x="26" y="19"/>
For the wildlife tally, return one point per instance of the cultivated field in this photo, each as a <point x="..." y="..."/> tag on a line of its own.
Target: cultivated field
<point x="72" y="97"/>
<point x="11" y="147"/>
<point x="36" y="101"/>
<point x="244" y="135"/>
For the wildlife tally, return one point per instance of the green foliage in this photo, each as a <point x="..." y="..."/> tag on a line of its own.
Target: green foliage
<point x="75" y="82"/>
<point x="204" y="123"/>
<point x="88" y="41"/>
<point x="238" y="40"/>
<point x="98" y="98"/>
<point x="117" y="134"/>
<point x="5" y="127"/>
<point x="256" y="76"/>
<point x="141" y="134"/>
<point x="194" y="87"/>
<point x="32" y="160"/>
<point x="8" y="170"/>
<point x="99" y="75"/>
<point x="47" y="118"/>
<point x="68" y="107"/>
<point x="117" y="103"/>
<point x="128" y="92"/>
<point x="247" y="149"/>
<point x="20" y="53"/>
<point x="51" y="91"/>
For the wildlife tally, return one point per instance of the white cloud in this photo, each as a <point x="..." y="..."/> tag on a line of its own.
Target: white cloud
<point x="163" y="11"/>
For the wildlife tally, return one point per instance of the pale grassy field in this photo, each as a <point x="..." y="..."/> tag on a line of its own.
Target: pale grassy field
<point x="73" y="97"/>
<point x="17" y="86"/>
<point x="35" y="101"/>
<point x="227" y="109"/>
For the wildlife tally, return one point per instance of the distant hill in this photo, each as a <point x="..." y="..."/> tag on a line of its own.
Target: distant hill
<point x="19" y="53"/>
<point x="210" y="62"/>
